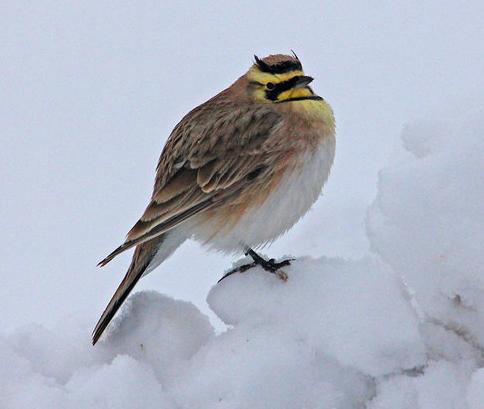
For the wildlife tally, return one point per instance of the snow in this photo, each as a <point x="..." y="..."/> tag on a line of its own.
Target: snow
<point x="441" y="254"/>
<point x="354" y="311"/>
<point x="475" y="390"/>
<point x="400" y="328"/>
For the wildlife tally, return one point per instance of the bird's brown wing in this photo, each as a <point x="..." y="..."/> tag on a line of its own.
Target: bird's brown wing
<point x="215" y="152"/>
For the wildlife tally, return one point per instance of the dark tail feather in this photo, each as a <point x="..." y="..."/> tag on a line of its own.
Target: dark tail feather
<point x="142" y="256"/>
<point x="119" y="297"/>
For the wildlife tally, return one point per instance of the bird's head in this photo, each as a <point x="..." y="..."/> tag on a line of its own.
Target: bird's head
<point x="278" y="79"/>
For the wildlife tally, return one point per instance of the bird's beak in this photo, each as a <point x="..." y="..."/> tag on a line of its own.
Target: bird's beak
<point x="302" y="81"/>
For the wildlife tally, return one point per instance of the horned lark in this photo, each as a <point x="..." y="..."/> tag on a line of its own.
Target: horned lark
<point x="236" y="172"/>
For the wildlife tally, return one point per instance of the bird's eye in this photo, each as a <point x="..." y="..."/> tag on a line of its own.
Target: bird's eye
<point x="270" y="85"/>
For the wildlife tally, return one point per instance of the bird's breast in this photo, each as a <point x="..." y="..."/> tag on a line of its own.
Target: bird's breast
<point x="262" y="216"/>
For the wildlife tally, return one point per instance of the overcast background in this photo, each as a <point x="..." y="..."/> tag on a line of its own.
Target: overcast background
<point x="90" y="90"/>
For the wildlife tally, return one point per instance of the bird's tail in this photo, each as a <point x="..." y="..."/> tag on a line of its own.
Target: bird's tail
<point x="143" y="255"/>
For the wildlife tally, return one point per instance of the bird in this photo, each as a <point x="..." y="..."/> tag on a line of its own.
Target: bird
<point x="236" y="173"/>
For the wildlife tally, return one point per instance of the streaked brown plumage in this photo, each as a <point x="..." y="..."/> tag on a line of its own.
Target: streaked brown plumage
<point x="223" y="162"/>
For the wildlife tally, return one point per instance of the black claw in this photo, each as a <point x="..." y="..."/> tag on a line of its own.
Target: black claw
<point x="268" y="265"/>
<point x="239" y="269"/>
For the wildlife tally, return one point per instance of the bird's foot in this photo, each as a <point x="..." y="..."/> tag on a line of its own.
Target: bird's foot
<point x="270" y="265"/>
<point x="274" y="268"/>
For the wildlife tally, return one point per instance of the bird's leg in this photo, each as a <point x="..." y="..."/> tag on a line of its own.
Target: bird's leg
<point x="270" y="265"/>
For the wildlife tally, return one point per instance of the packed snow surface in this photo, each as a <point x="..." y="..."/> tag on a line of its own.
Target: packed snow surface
<point x="402" y="328"/>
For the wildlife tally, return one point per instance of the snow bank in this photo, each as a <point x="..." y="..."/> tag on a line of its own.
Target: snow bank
<point x="402" y="328"/>
<point x="316" y="341"/>
<point x="428" y="221"/>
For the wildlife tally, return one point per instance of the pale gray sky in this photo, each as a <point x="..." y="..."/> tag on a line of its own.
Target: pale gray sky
<point x="90" y="90"/>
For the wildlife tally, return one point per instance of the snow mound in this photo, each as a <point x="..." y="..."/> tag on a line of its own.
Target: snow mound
<point x="428" y="222"/>
<point x="402" y="328"/>
<point x="354" y="311"/>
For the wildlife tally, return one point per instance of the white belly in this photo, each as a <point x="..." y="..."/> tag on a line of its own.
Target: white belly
<point x="297" y="192"/>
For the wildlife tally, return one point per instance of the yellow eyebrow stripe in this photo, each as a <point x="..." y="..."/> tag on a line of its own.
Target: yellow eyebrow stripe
<point x="264" y="77"/>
